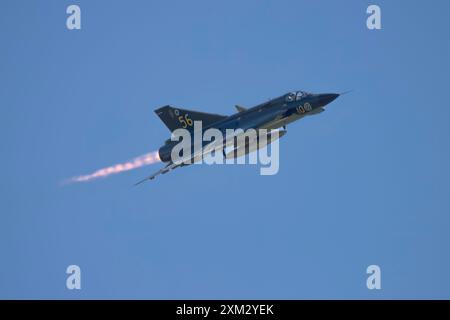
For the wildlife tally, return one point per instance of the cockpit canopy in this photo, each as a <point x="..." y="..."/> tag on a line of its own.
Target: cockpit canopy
<point x="295" y="96"/>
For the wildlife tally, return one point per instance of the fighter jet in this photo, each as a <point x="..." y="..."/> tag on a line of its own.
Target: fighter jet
<point x="274" y="114"/>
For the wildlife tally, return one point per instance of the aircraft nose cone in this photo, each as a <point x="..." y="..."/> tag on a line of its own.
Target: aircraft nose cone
<point x="326" y="98"/>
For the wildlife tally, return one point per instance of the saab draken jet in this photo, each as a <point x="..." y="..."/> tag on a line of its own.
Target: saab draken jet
<point x="274" y="114"/>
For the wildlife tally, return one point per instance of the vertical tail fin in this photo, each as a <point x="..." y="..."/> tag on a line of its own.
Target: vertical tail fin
<point x="176" y="118"/>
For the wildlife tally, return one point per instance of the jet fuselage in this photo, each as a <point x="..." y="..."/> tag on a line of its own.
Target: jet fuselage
<point x="273" y="114"/>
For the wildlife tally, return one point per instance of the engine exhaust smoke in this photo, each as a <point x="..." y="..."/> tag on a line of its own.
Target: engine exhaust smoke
<point x="144" y="160"/>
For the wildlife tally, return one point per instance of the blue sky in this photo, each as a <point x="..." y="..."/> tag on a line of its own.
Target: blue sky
<point x="366" y="182"/>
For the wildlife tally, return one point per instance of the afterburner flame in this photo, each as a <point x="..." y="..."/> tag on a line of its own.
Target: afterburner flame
<point x="135" y="163"/>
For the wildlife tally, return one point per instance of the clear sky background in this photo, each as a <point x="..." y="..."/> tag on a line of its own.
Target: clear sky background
<point x="366" y="182"/>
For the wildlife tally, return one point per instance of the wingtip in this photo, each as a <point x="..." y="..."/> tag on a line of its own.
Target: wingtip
<point x="139" y="182"/>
